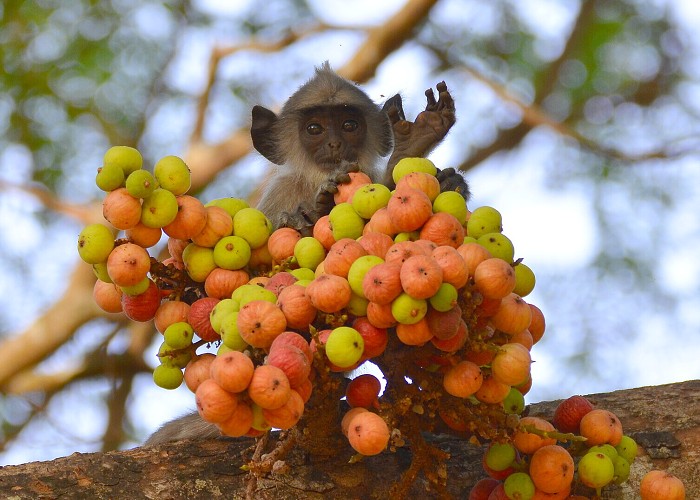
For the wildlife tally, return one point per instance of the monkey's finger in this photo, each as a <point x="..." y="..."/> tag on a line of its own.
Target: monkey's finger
<point x="330" y="187"/>
<point x="395" y="116"/>
<point x="444" y="173"/>
<point x="283" y="219"/>
<point x="302" y="219"/>
<point x="324" y="201"/>
<point x="445" y="98"/>
<point x="430" y="97"/>
<point x="351" y="166"/>
<point x="311" y="216"/>
<point x="341" y="178"/>
<point x="307" y="213"/>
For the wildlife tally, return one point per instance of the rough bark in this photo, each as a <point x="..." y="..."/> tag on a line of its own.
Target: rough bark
<point x="665" y="420"/>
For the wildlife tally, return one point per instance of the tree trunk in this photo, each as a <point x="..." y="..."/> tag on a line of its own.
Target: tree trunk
<point x="665" y="420"/>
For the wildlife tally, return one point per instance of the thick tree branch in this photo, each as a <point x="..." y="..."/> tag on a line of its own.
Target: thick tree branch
<point x="385" y="39"/>
<point x="53" y="328"/>
<point x="210" y="469"/>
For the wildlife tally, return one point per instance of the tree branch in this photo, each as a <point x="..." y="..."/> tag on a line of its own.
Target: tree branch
<point x="205" y="469"/>
<point x="53" y="328"/>
<point x="534" y="116"/>
<point x="85" y="213"/>
<point x="385" y="39"/>
<point x="509" y="138"/>
<point x="206" y="160"/>
<point x="220" y="53"/>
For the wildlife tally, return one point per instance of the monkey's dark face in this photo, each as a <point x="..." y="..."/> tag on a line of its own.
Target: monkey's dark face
<point x="330" y="134"/>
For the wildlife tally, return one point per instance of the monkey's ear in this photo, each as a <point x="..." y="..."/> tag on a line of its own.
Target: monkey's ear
<point x="262" y="131"/>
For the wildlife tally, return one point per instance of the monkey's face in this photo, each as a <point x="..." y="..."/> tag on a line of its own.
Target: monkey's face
<point x="331" y="134"/>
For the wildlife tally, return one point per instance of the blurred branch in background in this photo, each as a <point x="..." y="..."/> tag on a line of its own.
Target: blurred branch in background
<point x="534" y="116"/>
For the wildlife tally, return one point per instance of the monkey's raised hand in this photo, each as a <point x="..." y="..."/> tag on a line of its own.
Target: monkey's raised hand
<point x="418" y="138"/>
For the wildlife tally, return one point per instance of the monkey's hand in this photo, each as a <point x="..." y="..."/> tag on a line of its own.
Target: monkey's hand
<point x="453" y="180"/>
<point x="326" y="191"/>
<point x="302" y="219"/>
<point x="307" y="214"/>
<point x="418" y="138"/>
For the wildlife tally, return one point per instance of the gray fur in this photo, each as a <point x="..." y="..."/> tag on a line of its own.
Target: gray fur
<point x="190" y="426"/>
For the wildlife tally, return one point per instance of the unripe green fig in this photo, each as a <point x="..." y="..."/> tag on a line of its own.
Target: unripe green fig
<point x="453" y="203"/>
<point x="127" y="158"/>
<point x="345" y="222"/>
<point x="524" y="279"/>
<point x="231" y="252"/>
<point x="248" y="293"/>
<point x="168" y="376"/>
<point x="407" y="165"/>
<point x="159" y="209"/>
<point x="95" y="243"/>
<point x="309" y="252"/>
<point x="484" y="220"/>
<point x="231" y="205"/>
<point x="595" y="470"/>
<point x="178" y="335"/>
<point x="138" y="288"/>
<point x="370" y="198"/>
<point x="109" y="177"/>
<point x="408" y="310"/>
<point x="498" y="245"/>
<point x="199" y="261"/>
<point x="173" y="174"/>
<point x="140" y="184"/>
<point x="253" y="226"/>
<point x="445" y="298"/>
<point x="344" y="346"/>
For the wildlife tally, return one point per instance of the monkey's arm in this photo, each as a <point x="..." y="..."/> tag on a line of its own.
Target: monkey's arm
<point x="314" y="204"/>
<point x="418" y="138"/>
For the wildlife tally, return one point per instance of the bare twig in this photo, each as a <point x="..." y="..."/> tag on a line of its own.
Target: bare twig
<point x="261" y="443"/>
<point x="220" y="53"/>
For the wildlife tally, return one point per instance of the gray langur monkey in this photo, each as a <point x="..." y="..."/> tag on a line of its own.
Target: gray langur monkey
<point x="326" y="129"/>
<point x="330" y="127"/>
<point x="323" y="128"/>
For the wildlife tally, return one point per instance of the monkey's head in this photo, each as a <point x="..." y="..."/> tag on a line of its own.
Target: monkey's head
<point x="326" y="121"/>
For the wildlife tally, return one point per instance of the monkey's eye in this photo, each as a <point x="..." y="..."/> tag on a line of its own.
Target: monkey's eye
<point x="314" y="129"/>
<point x="350" y="125"/>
